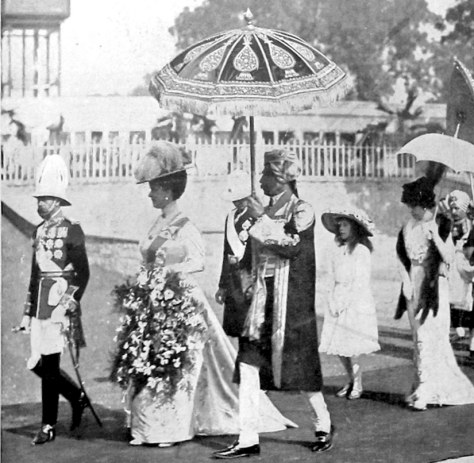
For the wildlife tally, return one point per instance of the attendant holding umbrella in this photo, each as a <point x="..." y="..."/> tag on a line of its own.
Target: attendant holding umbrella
<point x="278" y="346"/>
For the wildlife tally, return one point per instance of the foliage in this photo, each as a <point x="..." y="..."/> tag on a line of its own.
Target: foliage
<point x="160" y="325"/>
<point x="461" y="18"/>
<point x="457" y="40"/>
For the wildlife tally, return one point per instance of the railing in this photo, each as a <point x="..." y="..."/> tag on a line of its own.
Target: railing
<point x="115" y="161"/>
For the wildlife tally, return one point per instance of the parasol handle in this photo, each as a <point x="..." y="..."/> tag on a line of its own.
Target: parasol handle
<point x="456" y="134"/>
<point x="458" y="126"/>
<point x="471" y="180"/>
<point x="253" y="174"/>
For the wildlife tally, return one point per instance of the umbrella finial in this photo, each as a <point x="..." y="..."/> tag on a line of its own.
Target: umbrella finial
<point x="248" y="16"/>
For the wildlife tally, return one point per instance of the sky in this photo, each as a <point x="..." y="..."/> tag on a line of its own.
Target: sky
<point x="109" y="45"/>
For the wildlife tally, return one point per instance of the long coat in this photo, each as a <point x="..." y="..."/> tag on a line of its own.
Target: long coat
<point x="299" y="364"/>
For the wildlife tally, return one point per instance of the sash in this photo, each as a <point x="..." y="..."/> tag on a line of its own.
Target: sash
<point x="238" y="248"/>
<point x="256" y="314"/>
<point x="168" y="232"/>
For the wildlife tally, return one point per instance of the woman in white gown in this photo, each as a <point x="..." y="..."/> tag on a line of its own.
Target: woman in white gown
<point x="209" y="405"/>
<point x="425" y="251"/>
<point x="350" y="321"/>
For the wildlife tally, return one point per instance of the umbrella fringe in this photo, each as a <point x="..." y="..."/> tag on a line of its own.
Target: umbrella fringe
<point x="251" y="105"/>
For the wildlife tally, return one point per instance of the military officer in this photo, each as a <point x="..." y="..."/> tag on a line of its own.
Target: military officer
<point x="59" y="275"/>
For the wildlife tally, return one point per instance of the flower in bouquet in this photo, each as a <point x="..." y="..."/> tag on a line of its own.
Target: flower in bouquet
<point x="159" y="326"/>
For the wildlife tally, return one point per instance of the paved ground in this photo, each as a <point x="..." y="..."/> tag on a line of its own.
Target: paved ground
<point x="377" y="428"/>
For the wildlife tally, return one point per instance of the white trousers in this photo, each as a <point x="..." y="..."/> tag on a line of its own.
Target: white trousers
<point x="249" y="394"/>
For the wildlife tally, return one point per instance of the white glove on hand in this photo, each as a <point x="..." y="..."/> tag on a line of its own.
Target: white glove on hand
<point x="407" y="289"/>
<point x="25" y="324"/>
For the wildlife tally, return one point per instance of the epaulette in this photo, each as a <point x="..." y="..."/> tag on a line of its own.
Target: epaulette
<point x="72" y="221"/>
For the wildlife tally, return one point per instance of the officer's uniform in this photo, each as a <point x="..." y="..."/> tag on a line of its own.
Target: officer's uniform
<point x="59" y="261"/>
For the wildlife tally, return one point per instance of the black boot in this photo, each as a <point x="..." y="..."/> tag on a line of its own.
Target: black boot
<point x="78" y="408"/>
<point x="45" y="434"/>
<point x="323" y="441"/>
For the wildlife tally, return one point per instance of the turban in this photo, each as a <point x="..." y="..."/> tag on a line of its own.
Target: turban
<point x="459" y="199"/>
<point x="284" y="165"/>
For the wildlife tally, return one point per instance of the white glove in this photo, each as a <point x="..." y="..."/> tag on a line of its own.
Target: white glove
<point x="407" y="289"/>
<point x="25" y="324"/>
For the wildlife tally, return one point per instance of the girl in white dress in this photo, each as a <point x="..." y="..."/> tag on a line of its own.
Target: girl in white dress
<point x="350" y="322"/>
<point x="209" y="404"/>
<point x="425" y="250"/>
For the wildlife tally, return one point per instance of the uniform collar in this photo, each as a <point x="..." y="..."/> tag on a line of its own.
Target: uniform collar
<point x="56" y="218"/>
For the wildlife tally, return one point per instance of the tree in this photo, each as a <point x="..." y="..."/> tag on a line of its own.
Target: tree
<point x="377" y="41"/>
<point x="457" y="40"/>
<point x="461" y="18"/>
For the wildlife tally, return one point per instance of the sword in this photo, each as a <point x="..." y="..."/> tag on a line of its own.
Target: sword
<point x="75" y="364"/>
<point x="75" y="357"/>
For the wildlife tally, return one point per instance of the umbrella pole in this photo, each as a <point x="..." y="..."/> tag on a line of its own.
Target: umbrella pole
<point x="253" y="179"/>
<point x="471" y="180"/>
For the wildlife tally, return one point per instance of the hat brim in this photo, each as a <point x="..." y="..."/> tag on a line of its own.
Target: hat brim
<point x="147" y="180"/>
<point x="330" y="219"/>
<point x="64" y="202"/>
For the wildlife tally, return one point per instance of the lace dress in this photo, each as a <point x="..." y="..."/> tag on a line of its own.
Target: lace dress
<point x="210" y="405"/>
<point x="350" y="321"/>
<point x="438" y="378"/>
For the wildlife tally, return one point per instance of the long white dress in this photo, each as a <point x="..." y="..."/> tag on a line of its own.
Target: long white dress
<point x="438" y="378"/>
<point x="350" y="320"/>
<point x="210" y="405"/>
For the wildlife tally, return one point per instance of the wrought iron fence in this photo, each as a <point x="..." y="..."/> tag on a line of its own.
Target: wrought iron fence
<point x="115" y="160"/>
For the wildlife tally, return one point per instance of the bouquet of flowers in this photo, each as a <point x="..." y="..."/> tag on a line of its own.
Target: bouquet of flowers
<point x="159" y="328"/>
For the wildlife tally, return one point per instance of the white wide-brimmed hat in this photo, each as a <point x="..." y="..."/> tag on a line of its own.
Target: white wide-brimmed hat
<point x="52" y="178"/>
<point x="238" y="186"/>
<point x="330" y="218"/>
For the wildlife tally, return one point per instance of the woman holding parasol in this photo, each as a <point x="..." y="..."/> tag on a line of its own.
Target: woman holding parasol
<point x="425" y="250"/>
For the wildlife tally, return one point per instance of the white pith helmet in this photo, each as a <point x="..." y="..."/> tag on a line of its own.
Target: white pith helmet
<point x="52" y="178"/>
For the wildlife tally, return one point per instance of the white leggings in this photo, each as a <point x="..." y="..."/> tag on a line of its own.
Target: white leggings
<point x="249" y="416"/>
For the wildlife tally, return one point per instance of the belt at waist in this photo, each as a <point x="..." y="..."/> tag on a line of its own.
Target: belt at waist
<point x="58" y="274"/>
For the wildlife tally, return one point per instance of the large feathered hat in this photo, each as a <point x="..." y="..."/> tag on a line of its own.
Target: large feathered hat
<point x="52" y="178"/>
<point x="419" y="193"/>
<point x="163" y="158"/>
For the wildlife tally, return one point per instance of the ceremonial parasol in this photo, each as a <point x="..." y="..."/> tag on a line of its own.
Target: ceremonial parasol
<point x="247" y="72"/>
<point x="456" y="148"/>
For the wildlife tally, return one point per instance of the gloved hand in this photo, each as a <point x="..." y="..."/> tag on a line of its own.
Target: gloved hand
<point x="407" y="289"/>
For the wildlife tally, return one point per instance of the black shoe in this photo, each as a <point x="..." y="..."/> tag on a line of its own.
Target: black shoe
<point x="230" y="447"/>
<point x="323" y="440"/>
<point x="237" y="452"/>
<point x="78" y="408"/>
<point x="45" y="434"/>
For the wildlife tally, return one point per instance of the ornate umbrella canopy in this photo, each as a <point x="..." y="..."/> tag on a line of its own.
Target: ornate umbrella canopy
<point x="249" y="71"/>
